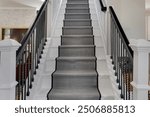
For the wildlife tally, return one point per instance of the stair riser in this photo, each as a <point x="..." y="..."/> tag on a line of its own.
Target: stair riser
<point x="74" y="81"/>
<point x="77" y="10"/>
<point x="74" y="51"/>
<point x="77" y="41"/>
<point x="77" y="16"/>
<point x="80" y="96"/>
<point x="77" y="31"/>
<point x="77" y="1"/>
<point x="78" y="23"/>
<point x="76" y="65"/>
<point x="77" y="6"/>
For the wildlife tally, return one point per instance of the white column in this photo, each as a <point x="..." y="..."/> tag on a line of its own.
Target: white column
<point x="8" y="82"/>
<point x="140" y="85"/>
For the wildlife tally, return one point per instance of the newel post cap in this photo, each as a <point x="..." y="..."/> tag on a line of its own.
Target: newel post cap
<point x="9" y="43"/>
<point x="139" y="44"/>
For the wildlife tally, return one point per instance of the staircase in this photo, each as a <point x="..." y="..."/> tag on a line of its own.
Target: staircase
<point x="75" y="76"/>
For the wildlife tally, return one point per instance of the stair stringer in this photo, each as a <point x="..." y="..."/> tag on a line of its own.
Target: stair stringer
<point x="113" y="78"/>
<point x="104" y="80"/>
<point x="41" y="78"/>
<point x="42" y="82"/>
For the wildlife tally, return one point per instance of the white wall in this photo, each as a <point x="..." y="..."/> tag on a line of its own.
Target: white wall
<point x="133" y="18"/>
<point x="116" y="4"/>
<point x="56" y="4"/>
<point x="147" y="20"/>
<point x="131" y="14"/>
<point x="16" y="18"/>
<point x="53" y="9"/>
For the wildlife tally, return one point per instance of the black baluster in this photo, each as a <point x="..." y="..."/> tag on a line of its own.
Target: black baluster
<point x="129" y="77"/>
<point x="25" y="71"/>
<point x="22" y="73"/>
<point x="28" y="69"/>
<point x="121" y="66"/>
<point x="119" y="78"/>
<point x="32" y="68"/>
<point x="45" y="29"/>
<point x="114" y="48"/>
<point x="121" y="55"/>
<point x="117" y="54"/>
<point x="113" y="41"/>
<point x="19" y="79"/>
<point x="111" y="32"/>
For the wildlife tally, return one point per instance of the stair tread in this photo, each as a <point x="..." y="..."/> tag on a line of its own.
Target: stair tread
<point x="77" y="9"/>
<point x="77" y="20"/>
<point x="77" y="35"/>
<point x="77" y="90"/>
<point x="77" y="27"/>
<point x="75" y="93"/>
<point x="75" y="76"/>
<point x="78" y="13"/>
<point x="77" y="3"/>
<point x="76" y="72"/>
<point x="76" y="46"/>
<point x="75" y="58"/>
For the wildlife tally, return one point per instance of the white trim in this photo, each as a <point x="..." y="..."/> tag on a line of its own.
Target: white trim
<point x="8" y="86"/>
<point x="137" y="86"/>
<point x="54" y="20"/>
<point x="100" y="25"/>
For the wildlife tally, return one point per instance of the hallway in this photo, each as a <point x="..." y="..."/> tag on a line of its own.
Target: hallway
<point x="75" y="49"/>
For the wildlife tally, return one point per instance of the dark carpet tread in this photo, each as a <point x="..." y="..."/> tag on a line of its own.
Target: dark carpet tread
<point x="75" y="76"/>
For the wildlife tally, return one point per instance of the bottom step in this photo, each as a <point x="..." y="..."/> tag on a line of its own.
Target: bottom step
<point x="74" y="94"/>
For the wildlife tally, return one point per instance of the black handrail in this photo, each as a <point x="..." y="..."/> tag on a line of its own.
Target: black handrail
<point x="30" y="30"/>
<point x="122" y="57"/>
<point x="30" y="52"/>
<point x="120" y="28"/>
<point x="103" y="8"/>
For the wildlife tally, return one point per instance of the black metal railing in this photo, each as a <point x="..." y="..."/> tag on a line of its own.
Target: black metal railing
<point x="103" y="8"/>
<point x="149" y="79"/>
<point x="29" y="54"/>
<point x="149" y="95"/>
<point x="122" y="57"/>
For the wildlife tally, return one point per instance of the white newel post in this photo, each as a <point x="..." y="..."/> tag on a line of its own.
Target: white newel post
<point x="8" y="82"/>
<point x="140" y="85"/>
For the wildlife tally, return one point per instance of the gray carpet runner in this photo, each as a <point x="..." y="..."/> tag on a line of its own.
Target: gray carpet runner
<point x="75" y="77"/>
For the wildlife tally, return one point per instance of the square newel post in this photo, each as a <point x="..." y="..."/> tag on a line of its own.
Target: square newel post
<point x="140" y="85"/>
<point x="8" y="82"/>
